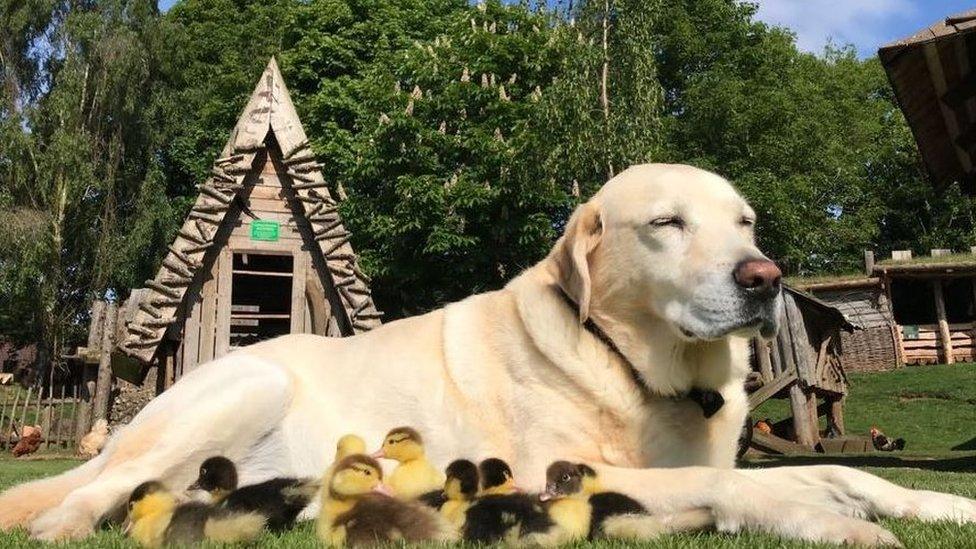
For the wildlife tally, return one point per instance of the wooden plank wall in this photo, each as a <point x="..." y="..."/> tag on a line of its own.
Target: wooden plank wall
<point x="927" y="348"/>
<point x="206" y="330"/>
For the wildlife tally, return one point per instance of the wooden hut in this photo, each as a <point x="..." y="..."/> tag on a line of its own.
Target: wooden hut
<point x="934" y="306"/>
<point x="932" y="75"/>
<point x="803" y="365"/>
<point x="263" y="252"/>
<point x="911" y="310"/>
<point x="864" y="302"/>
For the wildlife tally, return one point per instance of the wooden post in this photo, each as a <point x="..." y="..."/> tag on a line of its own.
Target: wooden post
<point x="103" y="385"/>
<point x="168" y="371"/>
<point x="835" y="416"/>
<point x="23" y="413"/>
<point x="805" y="431"/>
<point x="761" y="348"/>
<point x="868" y="262"/>
<point x="944" y="336"/>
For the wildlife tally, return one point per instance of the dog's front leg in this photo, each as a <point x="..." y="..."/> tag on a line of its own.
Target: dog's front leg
<point x="739" y="502"/>
<point x="862" y="494"/>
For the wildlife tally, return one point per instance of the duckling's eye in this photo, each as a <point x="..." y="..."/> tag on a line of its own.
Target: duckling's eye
<point x="747" y="221"/>
<point x="566" y="478"/>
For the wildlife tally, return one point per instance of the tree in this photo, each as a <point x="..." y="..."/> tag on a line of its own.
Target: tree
<point x="76" y="140"/>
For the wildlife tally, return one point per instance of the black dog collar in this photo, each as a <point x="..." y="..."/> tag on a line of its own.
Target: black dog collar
<point x="711" y="401"/>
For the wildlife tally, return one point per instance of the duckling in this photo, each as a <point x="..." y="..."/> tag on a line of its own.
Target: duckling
<point x="460" y="490"/>
<point x="348" y="445"/>
<point x="414" y="476"/>
<point x="503" y="514"/>
<point x="155" y="518"/>
<point x="279" y="500"/>
<point x="496" y="478"/>
<point x="359" y="509"/>
<point x="581" y="507"/>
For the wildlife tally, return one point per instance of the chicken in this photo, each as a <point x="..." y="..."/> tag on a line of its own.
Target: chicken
<point x="764" y="426"/>
<point x="883" y="443"/>
<point x="30" y="441"/>
<point x="93" y="442"/>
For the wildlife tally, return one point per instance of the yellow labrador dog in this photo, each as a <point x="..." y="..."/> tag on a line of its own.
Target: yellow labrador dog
<point x="625" y="348"/>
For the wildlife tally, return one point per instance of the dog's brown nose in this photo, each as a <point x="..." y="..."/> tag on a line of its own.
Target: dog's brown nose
<point x="759" y="276"/>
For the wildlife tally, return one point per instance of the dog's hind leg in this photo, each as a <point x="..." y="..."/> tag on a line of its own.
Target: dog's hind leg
<point x="225" y="410"/>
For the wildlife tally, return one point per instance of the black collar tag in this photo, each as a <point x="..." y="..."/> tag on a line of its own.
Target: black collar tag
<point x="711" y="401"/>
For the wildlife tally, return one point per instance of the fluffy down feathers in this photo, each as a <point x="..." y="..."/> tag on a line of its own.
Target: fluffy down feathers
<point x="377" y="518"/>
<point x="93" y="442"/>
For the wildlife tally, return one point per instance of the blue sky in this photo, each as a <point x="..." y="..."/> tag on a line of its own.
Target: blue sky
<point x="867" y="24"/>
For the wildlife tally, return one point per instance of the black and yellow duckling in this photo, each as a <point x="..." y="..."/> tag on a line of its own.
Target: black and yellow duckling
<point x="460" y="491"/>
<point x="359" y="510"/>
<point x="279" y="500"/>
<point x="581" y="508"/>
<point x="496" y="478"/>
<point x="414" y="476"/>
<point x="502" y="513"/>
<point x="155" y="518"/>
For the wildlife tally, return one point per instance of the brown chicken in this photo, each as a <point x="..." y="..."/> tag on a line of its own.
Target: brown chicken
<point x="30" y="441"/>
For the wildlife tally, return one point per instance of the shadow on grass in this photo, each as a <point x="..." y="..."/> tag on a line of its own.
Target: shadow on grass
<point x="968" y="445"/>
<point x="962" y="464"/>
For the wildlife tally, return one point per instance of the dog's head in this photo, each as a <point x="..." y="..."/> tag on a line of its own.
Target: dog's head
<point x="674" y="243"/>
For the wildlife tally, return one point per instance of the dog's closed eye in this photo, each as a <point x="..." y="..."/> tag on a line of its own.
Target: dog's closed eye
<point x="668" y="221"/>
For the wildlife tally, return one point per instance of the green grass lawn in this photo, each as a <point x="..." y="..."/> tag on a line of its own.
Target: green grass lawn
<point x="933" y="407"/>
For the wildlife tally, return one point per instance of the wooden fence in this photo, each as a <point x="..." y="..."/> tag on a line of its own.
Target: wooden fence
<point x="62" y="412"/>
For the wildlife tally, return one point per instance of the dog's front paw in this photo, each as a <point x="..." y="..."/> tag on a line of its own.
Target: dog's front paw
<point x="827" y="527"/>
<point x="935" y="506"/>
<point x="61" y="524"/>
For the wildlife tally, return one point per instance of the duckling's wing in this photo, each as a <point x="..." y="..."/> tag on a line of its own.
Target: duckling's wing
<point x="434" y="499"/>
<point x="492" y="518"/>
<point x="609" y="504"/>
<point x="377" y="518"/>
<point x="187" y="524"/>
<point x="279" y="500"/>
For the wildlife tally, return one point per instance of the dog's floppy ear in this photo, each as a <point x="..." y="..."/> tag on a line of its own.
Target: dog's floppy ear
<point x="583" y="233"/>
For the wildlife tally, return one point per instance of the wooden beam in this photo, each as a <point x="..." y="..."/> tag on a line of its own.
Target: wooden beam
<point x="768" y="390"/>
<point x="944" y="336"/>
<point x="806" y="431"/>
<point x="937" y="76"/>
<point x="103" y="384"/>
<point x="761" y="348"/>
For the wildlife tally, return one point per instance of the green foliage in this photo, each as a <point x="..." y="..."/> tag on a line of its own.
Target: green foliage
<point x="112" y="113"/>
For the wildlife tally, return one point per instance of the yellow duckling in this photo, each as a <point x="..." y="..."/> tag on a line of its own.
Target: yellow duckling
<point x="358" y="509"/>
<point x="155" y="518"/>
<point x="414" y="476"/>
<point x="348" y="445"/>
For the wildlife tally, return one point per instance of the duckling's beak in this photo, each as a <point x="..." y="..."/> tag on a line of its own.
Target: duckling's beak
<point x="549" y="493"/>
<point x="383" y="489"/>
<point x="194" y="486"/>
<point x="378" y="454"/>
<point x="545" y="496"/>
<point x="126" y="526"/>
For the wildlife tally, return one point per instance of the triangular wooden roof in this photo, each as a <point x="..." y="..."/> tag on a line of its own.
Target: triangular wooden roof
<point x="269" y="110"/>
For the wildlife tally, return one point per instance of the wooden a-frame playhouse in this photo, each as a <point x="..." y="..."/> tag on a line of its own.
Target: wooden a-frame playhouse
<point x="263" y="252"/>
